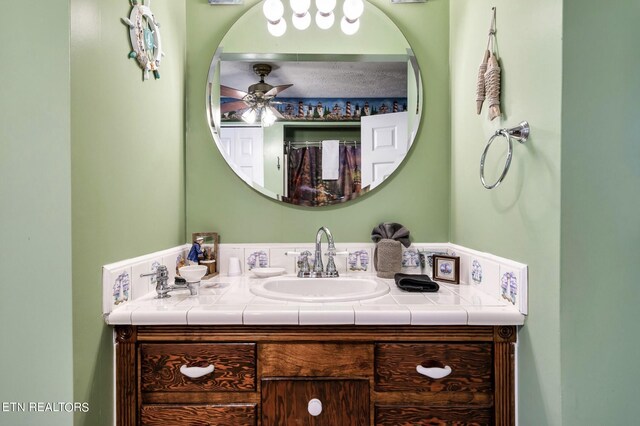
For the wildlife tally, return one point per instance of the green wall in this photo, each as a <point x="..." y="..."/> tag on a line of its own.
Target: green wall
<point x="416" y="196"/>
<point x="600" y="207"/>
<point x="36" y="360"/>
<point x="520" y="219"/>
<point x="127" y="147"/>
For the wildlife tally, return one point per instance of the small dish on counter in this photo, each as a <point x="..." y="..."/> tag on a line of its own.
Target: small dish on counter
<point x="267" y="272"/>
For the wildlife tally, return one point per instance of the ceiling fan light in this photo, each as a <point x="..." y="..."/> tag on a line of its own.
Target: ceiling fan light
<point x="268" y="117"/>
<point x="249" y="116"/>
<point x="277" y="28"/>
<point x="273" y="10"/>
<point x="325" y="21"/>
<point x="325" y="6"/>
<point x="348" y="26"/>
<point x="301" y="22"/>
<point x="353" y="9"/>
<point x="300" y="7"/>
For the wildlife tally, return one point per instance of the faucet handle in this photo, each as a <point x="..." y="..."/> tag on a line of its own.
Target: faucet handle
<point x="160" y="272"/>
<point x="303" y="262"/>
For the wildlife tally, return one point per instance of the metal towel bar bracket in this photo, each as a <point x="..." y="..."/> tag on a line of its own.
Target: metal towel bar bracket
<point x="520" y="133"/>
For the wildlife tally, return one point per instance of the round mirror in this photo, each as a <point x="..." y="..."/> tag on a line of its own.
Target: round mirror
<point x="314" y="116"/>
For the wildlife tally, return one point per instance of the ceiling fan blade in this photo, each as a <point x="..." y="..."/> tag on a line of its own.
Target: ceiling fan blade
<point x="230" y="92"/>
<point x="276" y="112"/>
<point x="277" y="89"/>
<point x="232" y="106"/>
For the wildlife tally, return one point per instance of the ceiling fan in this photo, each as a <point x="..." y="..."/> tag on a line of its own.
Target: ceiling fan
<point x="257" y="100"/>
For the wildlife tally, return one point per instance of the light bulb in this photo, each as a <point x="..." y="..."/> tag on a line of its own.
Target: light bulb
<point x="324" y="22"/>
<point x="301" y="22"/>
<point x="300" y="7"/>
<point x="249" y="116"/>
<point x="277" y="28"/>
<point x="349" y="27"/>
<point x="325" y="6"/>
<point x="273" y="10"/>
<point x="353" y="9"/>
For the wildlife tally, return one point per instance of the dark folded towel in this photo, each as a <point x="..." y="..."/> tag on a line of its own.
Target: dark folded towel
<point x="391" y="231"/>
<point x="412" y="282"/>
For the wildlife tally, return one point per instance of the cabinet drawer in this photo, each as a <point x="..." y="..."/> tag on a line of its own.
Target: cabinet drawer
<point x="201" y="415"/>
<point x="455" y="367"/>
<point x="343" y="402"/>
<point x="316" y="359"/>
<point x="423" y="416"/>
<point x="168" y="367"/>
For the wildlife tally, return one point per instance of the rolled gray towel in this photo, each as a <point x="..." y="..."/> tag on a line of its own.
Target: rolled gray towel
<point x="387" y="258"/>
<point x="391" y="231"/>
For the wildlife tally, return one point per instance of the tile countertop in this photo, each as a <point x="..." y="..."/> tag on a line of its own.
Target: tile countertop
<point x="227" y="300"/>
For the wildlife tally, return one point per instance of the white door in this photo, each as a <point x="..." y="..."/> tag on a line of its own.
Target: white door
<point x="384" y="145"/>
<point x="243" y="147"/>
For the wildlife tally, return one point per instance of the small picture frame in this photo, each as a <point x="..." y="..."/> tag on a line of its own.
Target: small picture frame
<point x="446" y="268"/>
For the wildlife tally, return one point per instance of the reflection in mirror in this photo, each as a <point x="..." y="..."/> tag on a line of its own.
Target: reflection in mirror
<point x="314" y="117"/>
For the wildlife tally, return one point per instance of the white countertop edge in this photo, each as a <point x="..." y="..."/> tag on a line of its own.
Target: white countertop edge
<point x="147" y="311"/>
<point x="294" y="315"/>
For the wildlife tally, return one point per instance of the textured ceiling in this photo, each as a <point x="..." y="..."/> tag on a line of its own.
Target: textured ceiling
<point x="323" y="79"/>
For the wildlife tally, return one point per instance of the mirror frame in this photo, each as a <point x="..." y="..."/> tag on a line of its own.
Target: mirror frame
<point x="212" y="94"/>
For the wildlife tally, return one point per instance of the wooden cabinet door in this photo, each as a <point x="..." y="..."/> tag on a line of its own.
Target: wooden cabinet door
<point x="343" y="402"/>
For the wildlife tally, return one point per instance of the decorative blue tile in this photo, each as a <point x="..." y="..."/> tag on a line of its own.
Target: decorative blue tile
<point x="358" y="260"/>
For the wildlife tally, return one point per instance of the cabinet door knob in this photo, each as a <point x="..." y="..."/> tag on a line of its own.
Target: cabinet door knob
<point x="196" y="372"/>
<point x="314" y="407"/>
<point x="434" y="372"/>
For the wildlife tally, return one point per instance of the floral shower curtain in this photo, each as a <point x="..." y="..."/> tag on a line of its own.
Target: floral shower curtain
<point x="305" y="183"/>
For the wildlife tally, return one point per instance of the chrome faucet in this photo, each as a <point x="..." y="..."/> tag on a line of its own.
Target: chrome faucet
<point x="162" y="279"/>
<point x="318" y="271"/>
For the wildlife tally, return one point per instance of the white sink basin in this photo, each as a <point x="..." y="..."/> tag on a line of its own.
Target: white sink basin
<point x="320" y="290"/>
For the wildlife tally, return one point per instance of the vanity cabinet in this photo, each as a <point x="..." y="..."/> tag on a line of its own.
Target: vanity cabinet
<point x="341" y="375"/>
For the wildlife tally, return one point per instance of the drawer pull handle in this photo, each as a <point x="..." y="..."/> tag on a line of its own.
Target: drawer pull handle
<point x="196" y="372"/>
<point x="434" y="372"/>
<point x="314" y="407"/>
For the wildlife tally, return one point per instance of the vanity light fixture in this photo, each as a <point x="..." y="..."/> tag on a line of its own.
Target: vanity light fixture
<point x="274" y="10"/>
<point x="277" y="28"/>
<point x="325" y="17"/>
<point x="301" y="16"/>
<point x="348" y="26"/>
<point x="325" y="6"/>
<point x="353" y="9"/>
<point x="324" y="21"/>
<point x="301" y="22"/>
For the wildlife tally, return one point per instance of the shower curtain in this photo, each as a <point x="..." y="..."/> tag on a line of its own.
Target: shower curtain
<point x="305" y="183"/>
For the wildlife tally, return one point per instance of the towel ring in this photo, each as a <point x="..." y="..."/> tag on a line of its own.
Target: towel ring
<point x="520" y="133"/>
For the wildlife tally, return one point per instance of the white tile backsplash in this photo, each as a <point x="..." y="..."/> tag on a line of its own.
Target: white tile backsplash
<point x="359" y="259"/>
<point x="279" y="259"/>
<point x="227" y="252"/>
<point x="484" y="274"/>
<point x="255" y="257"/>
<point x="117" y="289"/>
<point x="479" y="271"/>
